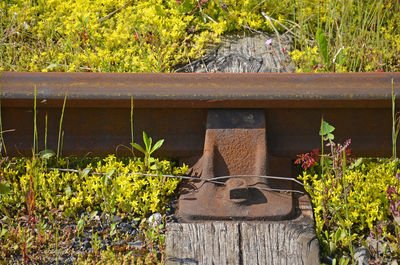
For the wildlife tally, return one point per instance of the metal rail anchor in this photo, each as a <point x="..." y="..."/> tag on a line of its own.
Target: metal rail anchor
<point x="235" y="145"/>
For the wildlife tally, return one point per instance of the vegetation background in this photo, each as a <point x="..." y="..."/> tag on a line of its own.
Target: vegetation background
<point x="157" y="35"/>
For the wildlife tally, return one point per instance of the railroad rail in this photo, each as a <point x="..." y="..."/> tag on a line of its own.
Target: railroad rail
<point x="175" y="107"/>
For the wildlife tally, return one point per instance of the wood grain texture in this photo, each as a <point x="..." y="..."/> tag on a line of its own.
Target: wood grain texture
<point x="279" y="244"/>
<point x="241" y="243"/>
<point x="202" y="243"/>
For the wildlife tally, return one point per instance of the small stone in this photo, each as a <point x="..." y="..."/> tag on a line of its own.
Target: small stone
<point x="361" y="255"/>
<point x="117" y="219"/>
<point x="155" y="219"/>
<point x="86" y="245"/>
<point x="137" y="244"/>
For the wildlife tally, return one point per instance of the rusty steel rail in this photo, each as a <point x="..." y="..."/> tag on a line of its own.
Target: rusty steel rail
<point x="174" y="107"/>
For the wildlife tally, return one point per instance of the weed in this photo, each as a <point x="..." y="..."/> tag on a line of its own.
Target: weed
<point x="149" y="149"/>
<point x="346" y="210"/>
<point x="96" y="244"/>
<point x="60" y="132"/>
<point x="80" y="226"/>
<point x="132" y="139"/>
<point x="45" y="132"/>
<point x="57" y="242"/>
<point x="395" y="124"/>
<point x="35" y="135"/>
<point x="86" y="39"/>
<point x="2" y="143"/>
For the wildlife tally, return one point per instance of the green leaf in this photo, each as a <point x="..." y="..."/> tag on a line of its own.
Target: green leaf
<point x="355" y="164"/>
<point x="330" y="136"/>
<point x="80" y="224"/>
<point x="326" y="128"/>
<point x="93" y="214"/>
<point x="68" y="191"/>
<point x="338" y="235"/>
<point x="4" y="188"/>
<point x="322" y="45"/>
<point x="3" y="232"/>
<point x="85" y="172"/>
<point x="112" y="229"/>
<point x="108" y="175"/>
<point x="147" y="142"/>
<point x="154" y="167"/>
<point x="138" y="147"/>
<point x="344" y="261"/>
<point x="159" y="10"/>
<point x="46" y="154"/>
<point x="185" y="6"/>
<point x="340" y="58"/>
<point x="332" y="246"/>
<point x="157" y="145"/>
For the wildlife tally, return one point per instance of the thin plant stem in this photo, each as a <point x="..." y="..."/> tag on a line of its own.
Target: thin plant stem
<point x="59" y="144"/>
<point x="394" y="131"/>
<point x="322" y="151"/>
<point x="3" y="144"/>
<point x="62" y="142"/>
<point x="346" y="204"/>
<point x="45" y="132"/>
<point x="57" y="245"/>
<point x="132" y="141"/>
<point x="35" y="138"/>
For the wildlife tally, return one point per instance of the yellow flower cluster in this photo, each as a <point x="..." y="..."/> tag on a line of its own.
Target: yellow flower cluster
<point x="109" y="186"/>
<point x="159" y="35"/>
<point x="115" y="35"/>
<point x="366" y="196"/>
<point x="361" y="35"/>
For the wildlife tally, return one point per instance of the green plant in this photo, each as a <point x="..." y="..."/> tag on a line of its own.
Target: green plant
<point x="346" y="25"/>
<point x="154" y="238"/>
<point x="348" y="196"/>
<point x="35" y="134"/>
<point x="45" y="132"/>
<point x="2" y="143"/>
<point x="326" y="135"/>
<point x="322" y="46"/>
<point x="132" y="139"/>
<point x="148" y="150"/>
<point x="80" y="226"/>
<point x="41" y="200"/>
<point x="96" y="243"/>
<point x="4" y="187"/>
<point x="395" y="124"/>
<point x="57" y="239"/>
<point x="61" y="135"/>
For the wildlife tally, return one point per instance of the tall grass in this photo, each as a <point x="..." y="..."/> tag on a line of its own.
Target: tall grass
<point x="60" y="131"/>
<point x="362" y="35"/>
<point x="35" y="134"/>
<point x="132" y="134"/>
<point x="3" y="144"/>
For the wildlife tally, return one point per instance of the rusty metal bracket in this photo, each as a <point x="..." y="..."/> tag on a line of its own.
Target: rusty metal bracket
<point x="235" y="144"/>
